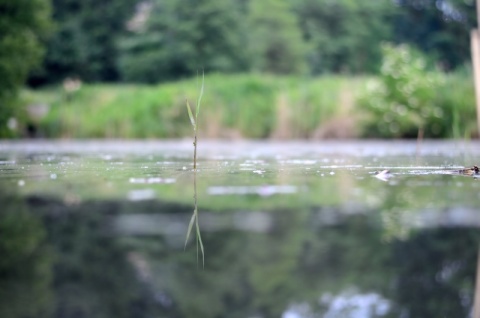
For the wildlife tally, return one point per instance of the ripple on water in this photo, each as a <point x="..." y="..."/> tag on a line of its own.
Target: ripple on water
<point x="141" y="194"/>
<point x="264" y="190"/>
<point x="152" y="180"/>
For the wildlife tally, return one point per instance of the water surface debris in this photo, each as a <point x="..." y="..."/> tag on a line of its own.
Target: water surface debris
<point x="383" y="175"/>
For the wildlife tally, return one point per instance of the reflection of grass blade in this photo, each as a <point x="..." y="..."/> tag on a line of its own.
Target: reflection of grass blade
<point x="190" y="226"/>
<point x="190" y="114"/>
<point x="198" y="237"/>
<point x="199" y="241"/>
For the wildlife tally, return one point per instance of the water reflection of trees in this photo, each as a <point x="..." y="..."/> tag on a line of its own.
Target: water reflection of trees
<point x="25" y="261"/>
<point x="410" y="202"/>
<point x="261" y="274"/>
<point x="93" y="276"/>
<point x="98" y="271"/>
<point x="435" y="271"/>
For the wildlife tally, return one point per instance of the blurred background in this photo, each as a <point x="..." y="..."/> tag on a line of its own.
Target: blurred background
<point x="299" y="69"/>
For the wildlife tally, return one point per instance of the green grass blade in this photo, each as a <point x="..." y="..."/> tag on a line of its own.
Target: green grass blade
<point x="199" y="238"/>
<point x="190" y="114"/>
<point x="190" y="226"/>
<point x="200" y="96"/>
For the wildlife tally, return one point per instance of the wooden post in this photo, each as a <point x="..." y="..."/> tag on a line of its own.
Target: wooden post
<point x="475" y="51"/>
<point x="478" y="12"/>
<point x="475" y="48"/>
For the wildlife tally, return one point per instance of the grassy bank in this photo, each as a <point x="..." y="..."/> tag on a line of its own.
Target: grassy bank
<point x="234" y="106"/>
<point x="239" y="106"/>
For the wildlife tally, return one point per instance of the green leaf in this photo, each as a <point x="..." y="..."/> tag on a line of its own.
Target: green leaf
<point x="190" y="114"/>
<point x="199" y="239"/>
<point x="200" y="96"/>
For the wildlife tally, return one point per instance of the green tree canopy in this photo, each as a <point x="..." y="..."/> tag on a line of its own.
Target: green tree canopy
<point x="154" y="40"/>
<point x="180" y="37"/>
<point x="344" y="35"/>
<point x="275" y="39"/>
<point x="24" y="25"/>
<point x="440" y="28"/>
<point x="84" y="44"/>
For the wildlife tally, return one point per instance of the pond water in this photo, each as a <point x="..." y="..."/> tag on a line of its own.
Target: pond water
<point x="297" y="229"/>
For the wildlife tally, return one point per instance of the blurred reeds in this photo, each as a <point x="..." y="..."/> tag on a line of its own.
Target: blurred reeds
<point x="240" y="106"/>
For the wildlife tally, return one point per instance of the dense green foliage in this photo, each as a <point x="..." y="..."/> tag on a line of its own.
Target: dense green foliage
<point x="276" y="106"/>
<point x="344" y="35"/>
<point x="440" y="29"/>
<point x="408" y="99"/>
<point x="275" y="41"/>
<point x="170" y="39"/>
<point x="24" y="25"/>
<point x="259" y="106"/>
<point x="177" y="38"/>
<point x="84" y="43"/>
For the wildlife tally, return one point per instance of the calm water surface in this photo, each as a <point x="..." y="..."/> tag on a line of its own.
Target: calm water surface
<point x="97" y="229"/>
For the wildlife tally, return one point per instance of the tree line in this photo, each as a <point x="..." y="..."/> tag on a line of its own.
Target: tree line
<point x="160" y="40"/>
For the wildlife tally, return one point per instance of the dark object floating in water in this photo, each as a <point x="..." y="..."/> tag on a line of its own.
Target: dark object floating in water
<point x="474" y="171"/>
<point x="468" y="171"/>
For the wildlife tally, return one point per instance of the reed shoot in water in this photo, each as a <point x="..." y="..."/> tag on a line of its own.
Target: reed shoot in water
<point x="194" y="219"/>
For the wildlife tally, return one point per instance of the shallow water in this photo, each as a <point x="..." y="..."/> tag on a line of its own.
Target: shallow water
<point x="97" y="229"/>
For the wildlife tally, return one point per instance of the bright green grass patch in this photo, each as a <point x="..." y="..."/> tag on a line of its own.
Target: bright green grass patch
<point x="249" y="106"/>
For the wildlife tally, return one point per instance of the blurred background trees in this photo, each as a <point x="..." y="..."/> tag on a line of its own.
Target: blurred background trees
<point x="158" y="40"/>
<point x="24" y="26"/>
<point x="276" y="44"/>
<point x="151" y="41"/>
<point x="169" y="39"/>
<point x="84" y="43"/>
<point x="344" y="36"/>
<point x="439" y="28"/>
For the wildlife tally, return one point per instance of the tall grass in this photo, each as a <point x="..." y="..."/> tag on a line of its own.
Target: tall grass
<point x="242" y="106"/>
<point x="457" y="100"/>
<point x="245" y="105"/>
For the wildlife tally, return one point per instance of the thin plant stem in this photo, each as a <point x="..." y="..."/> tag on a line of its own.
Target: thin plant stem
<point x="194" y="218"/>
<point x="195" y="152"/>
